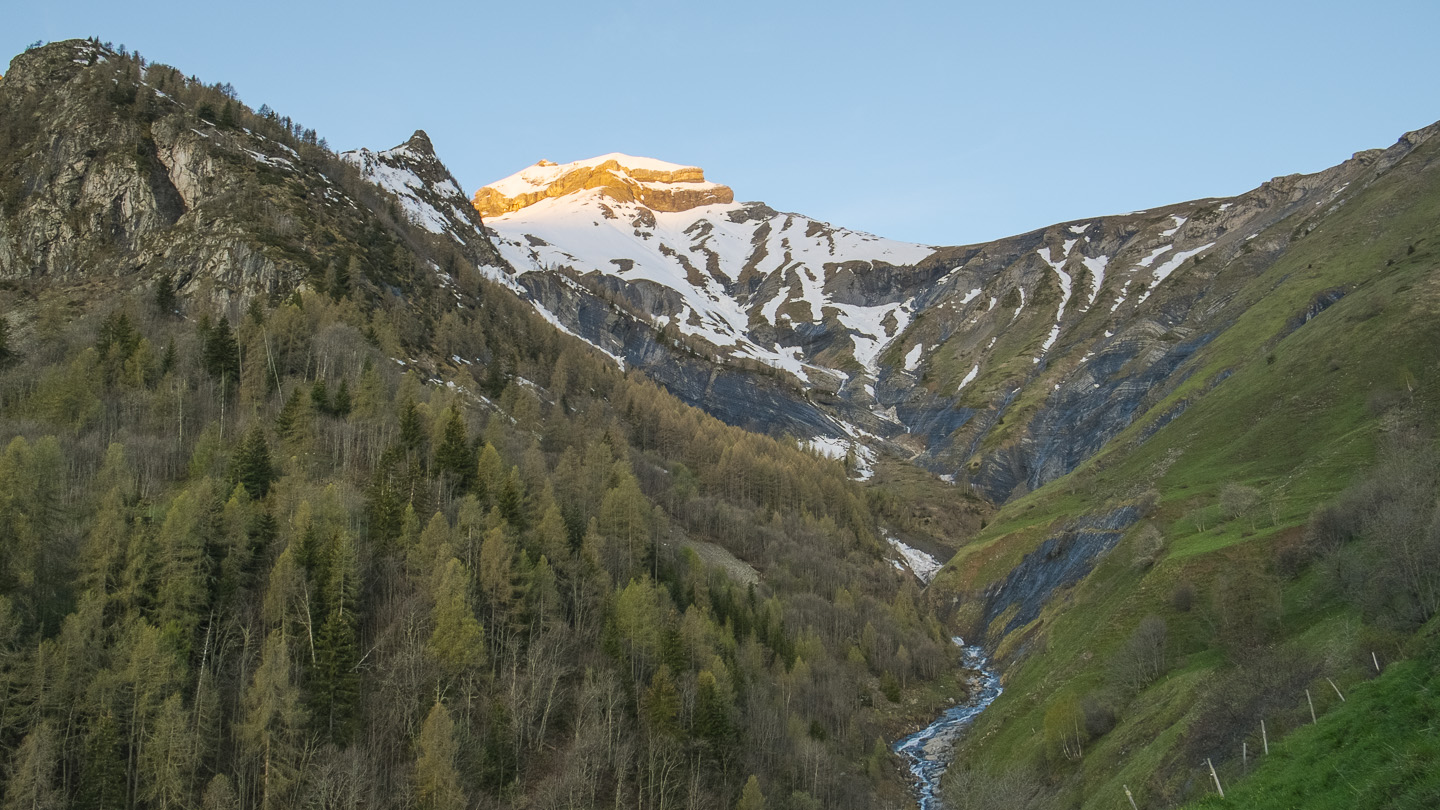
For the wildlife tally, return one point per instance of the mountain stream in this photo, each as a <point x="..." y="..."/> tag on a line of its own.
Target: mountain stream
<point x="929" y="749"/>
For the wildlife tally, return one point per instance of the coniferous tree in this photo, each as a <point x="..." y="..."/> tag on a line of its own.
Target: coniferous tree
<point x="103" y="777"/>
<point x="335" y="691"/>
<point x="412" y="433"/>
<point x="272" y="730"/>
<point x="168" y="360"/>
<point x="340" y="405"/>
<point x="458" y="641"/>
<point x="437" y="780"/>
<point x="751" y="798"/>
<point x="222" y="354"/>
<point x="453" y="457"/>
<point x="288" y="420"/>
<point x="251" y="466"/>
<point x="165" y="295"/>
<point x="320" y="396"/>
<point x="341" y="278"/>
<point x="32" y="772"/>
<point x="7" y="354"/>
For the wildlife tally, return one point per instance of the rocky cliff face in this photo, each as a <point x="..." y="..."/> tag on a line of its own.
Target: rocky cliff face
<point x="427" y="192"/>
<point x="112" y="167"/>
<point x="654" y="184"/>
<point x="1002" y="365"/>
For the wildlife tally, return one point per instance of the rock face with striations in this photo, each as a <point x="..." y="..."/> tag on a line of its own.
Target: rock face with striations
<point x="655" y="184"/>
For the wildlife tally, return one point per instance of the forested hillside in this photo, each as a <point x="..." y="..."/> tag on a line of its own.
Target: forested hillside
<point x="312" y="539"/>
<point x="302" y="505"/>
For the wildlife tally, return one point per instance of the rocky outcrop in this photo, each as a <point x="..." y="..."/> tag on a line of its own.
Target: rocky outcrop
<point x="679" y="189"/>
<point x="111" y="167"/>
<point x="1061" y="561"/>
<point x="428" y="194"/>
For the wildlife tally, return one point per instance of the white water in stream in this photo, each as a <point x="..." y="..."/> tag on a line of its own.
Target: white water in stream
<point x="929" y="749"/>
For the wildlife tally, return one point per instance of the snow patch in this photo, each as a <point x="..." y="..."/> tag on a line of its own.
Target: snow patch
<point x="1064" y="292"/>
<point x="1096" y="266"/>
<point x="968" y="378"/>
<point x="922" y="565"/>
<point x="1171" y="265"/>
<point x="836" y="448"/>
<point x="912" y="358"/>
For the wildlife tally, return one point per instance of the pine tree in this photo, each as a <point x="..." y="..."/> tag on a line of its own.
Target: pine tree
<point x="458" y="641"/>
<point x="511" y="500"/>
<point x="272" y="730"/>
<point x="751" y="798"/>
<point x="437" y="781"/>
<point x="251" y="466"/>
<point x="341" y="278"/>
<point x="661" y="703"/>
<point x="497" y="573"/>
<point x="102" y="780"/>
<point x="290" y="416"/>
<point x="7" y="354"/>
<point x="320" y="396"/>
<point x="168" y="360"/>
<point x="335" y="688"/>
<point x="453" y="457"/>
<point x="165" y="295"/>
<point x="222" y="354"/>
<point x="490" y="475"/>
<point x="340" y="405"/>
<point x="412" y="433"/>
<point x="712" y="710"/>
<point x="335" y="682"/>
<point x="32" y="772"/>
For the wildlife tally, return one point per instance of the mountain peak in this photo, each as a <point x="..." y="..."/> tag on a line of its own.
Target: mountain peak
<point x="656" y="184"/>
<point x="420" y="142"/>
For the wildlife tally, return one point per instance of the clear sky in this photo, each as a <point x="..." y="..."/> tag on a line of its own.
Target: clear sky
<point x="943" y="122"/>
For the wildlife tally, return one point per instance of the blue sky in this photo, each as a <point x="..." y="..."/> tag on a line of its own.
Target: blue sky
<point x="944" y="123"/>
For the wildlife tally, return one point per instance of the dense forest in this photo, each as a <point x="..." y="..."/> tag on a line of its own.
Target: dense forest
<point x="265" y="564"/>
<point x="382" y="537"/>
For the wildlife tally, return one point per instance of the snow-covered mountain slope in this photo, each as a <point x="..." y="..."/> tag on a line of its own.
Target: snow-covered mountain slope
<point x="429" y="196"/>
<point x="744" y="280"/>
<point x="1003" y="364"/>
<point x="428" y="193"/>
<point x="1000" y="366"/>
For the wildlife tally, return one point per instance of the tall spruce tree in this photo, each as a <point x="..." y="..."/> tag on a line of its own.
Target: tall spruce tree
<point x="454" y="457"/>
<point x="251" y="465"/>
<point x="222" y="354"/>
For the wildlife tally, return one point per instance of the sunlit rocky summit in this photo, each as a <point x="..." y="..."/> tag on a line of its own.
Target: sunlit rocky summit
<point x="657" y="185"/>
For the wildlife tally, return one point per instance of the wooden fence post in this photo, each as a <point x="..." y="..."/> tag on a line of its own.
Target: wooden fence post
<point x="1337" y="690"/>
<point x="1216" y="777"/>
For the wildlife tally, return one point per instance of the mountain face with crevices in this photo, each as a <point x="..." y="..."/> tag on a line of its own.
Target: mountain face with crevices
<point x="1003" y="365"/>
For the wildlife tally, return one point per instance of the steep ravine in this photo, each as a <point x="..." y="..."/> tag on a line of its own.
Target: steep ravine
<point x="1063" y="559"/>
<point x="929" y="750"/>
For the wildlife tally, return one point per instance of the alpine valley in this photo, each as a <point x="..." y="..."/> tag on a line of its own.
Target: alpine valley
<point x="329" y="484"/>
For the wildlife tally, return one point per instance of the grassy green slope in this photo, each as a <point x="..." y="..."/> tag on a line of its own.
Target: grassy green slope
<point x="1379" y="749"/>
<point x="1295" y="419"/>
